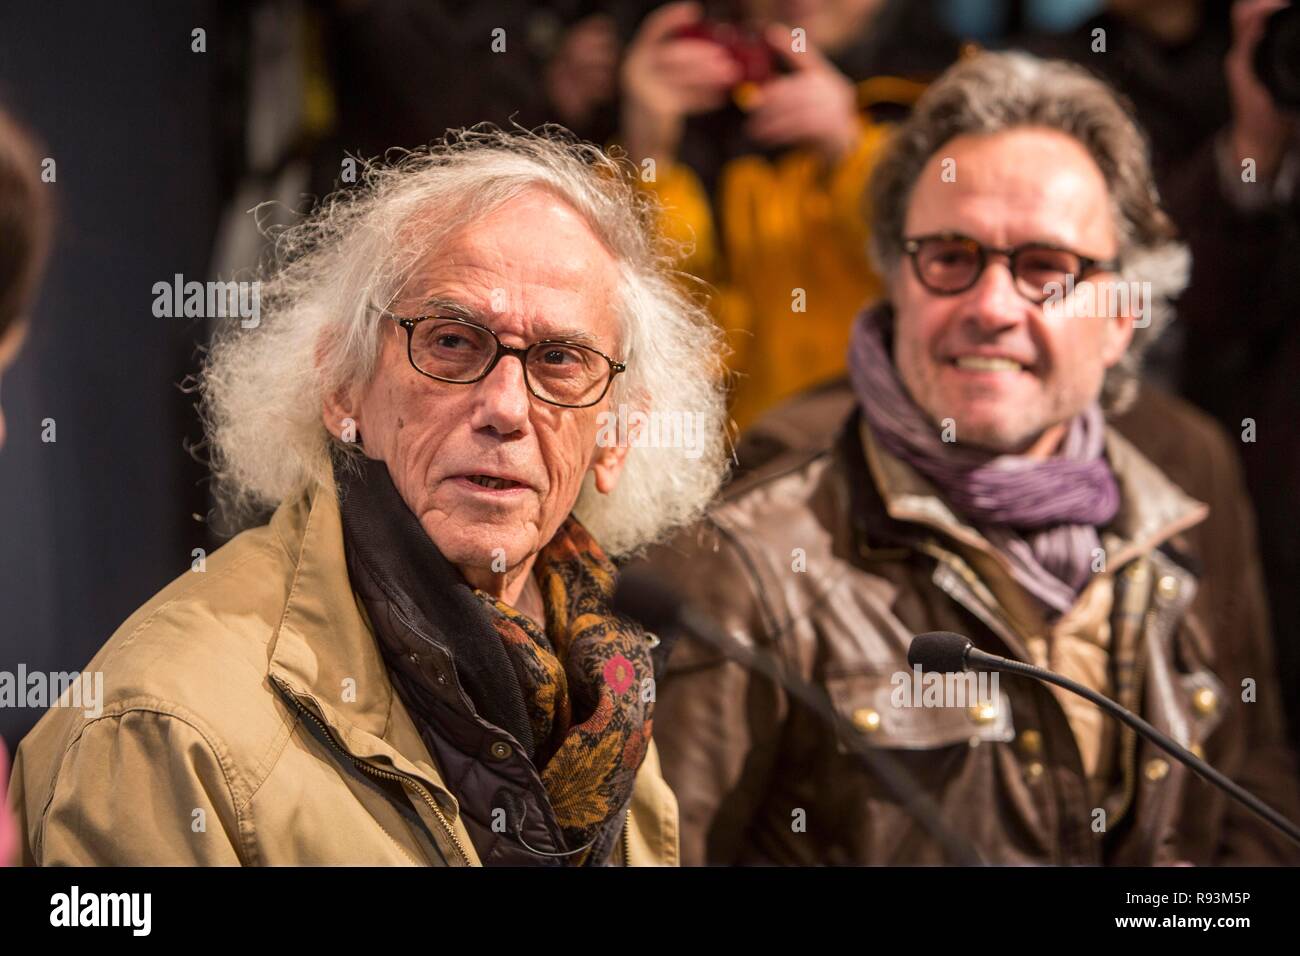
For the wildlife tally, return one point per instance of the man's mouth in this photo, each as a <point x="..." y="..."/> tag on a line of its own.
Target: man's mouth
<point x="492" y="482"/>
<point x="988" y="363"/>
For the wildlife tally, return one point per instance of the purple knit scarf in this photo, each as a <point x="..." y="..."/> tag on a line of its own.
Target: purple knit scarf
<point x="1043" y="515"/>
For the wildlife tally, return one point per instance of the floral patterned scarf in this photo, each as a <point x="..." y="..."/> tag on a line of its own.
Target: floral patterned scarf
<point x="588" y="683"/>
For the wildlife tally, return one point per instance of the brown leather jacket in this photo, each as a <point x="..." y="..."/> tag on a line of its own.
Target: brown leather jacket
<point x="832" y="558"/>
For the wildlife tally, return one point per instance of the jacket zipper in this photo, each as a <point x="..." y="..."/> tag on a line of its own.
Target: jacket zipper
<point x="627" y="839"/>
<point x="384" y="774"/>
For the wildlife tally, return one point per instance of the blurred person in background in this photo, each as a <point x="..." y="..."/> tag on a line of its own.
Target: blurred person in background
<point x="414" y="661"/>
<point x="1237" y="199"/>
<point x="403" y="72"/>
<point x="24" y="243"/>
<point x="24" y="237"/>
<point x="322" y="85"/>
<point x="762" y="144"/>
<point x="976" y="486"/>
<point x="1164" y="56"/>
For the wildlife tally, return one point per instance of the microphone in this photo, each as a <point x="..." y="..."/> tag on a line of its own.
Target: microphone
<point x="947" y="652"/>
<point x="941" y="651"/>
<point x="642" y="596"/>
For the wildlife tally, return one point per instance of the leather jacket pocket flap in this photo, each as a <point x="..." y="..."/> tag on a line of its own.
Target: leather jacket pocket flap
<point x="895" y="710"/>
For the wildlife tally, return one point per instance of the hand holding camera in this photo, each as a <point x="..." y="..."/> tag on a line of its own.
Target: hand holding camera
<point x="1263" y="72"/>
<point x="683" y="62"/>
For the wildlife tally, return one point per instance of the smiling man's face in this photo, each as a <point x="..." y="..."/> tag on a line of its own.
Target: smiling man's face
<point x="1008" y="372"/>
<point x="490" y="470"/>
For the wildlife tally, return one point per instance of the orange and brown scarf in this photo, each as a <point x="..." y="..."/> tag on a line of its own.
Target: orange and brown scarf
<point x="588" y="683"/>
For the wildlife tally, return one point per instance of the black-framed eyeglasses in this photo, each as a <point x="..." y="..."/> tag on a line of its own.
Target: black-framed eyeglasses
<point x="949" y="263"/>
<point x="455" y="350"/>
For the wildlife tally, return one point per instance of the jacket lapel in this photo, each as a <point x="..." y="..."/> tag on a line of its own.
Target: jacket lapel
<point x="325" y="657"/>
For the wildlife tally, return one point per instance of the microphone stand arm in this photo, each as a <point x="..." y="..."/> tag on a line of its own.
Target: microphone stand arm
<point x="977" y="659"/>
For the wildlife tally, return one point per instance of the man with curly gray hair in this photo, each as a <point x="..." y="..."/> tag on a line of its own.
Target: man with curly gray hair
<point x="977" y="486"/>
<point x="472" y="382"/>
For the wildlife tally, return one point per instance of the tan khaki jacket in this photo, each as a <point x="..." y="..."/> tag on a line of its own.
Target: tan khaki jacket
<point x="248" y="719"/>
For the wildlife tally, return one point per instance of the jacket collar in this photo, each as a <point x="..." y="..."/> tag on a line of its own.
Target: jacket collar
<point x="324" y="654"/>
<point x="1152" y="508"/>
<point x="406" y="585"/>
<point x="1152" y="511"/>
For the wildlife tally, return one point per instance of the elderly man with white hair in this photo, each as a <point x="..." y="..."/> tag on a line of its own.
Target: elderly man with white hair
<point x="978" y="485"/>
<point x="414" y="661"/>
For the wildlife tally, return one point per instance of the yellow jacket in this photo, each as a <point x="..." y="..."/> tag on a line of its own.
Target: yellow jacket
<point x="224" y="738"/>
<point x="787" y="261"/>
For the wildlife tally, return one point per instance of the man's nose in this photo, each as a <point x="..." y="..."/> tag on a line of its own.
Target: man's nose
<point x="994" y="302"/>
<point x="501" y="400"/>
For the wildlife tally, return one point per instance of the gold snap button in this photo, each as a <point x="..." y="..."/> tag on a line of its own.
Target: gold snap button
<point x="1197" y="751"/>
<point x="1034" y="771"/>
<point x="1205" y="701"/>
<point x="984" y="713"/>
<point x="866" y="720"/>
<point x="1031" y="742"/>
<point x="1168" y="587"/>
<point x="1157" y="769"/>
<point x="501" y="750"/>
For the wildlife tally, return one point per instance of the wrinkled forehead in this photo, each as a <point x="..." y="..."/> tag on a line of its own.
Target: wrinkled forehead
<point x="533" y="267"/>
<point x="1021" y="185"/>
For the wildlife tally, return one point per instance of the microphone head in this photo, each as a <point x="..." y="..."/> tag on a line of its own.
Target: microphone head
<point x="941" y="651"/>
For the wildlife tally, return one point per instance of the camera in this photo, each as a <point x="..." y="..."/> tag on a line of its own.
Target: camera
<point x="735" y="29"/>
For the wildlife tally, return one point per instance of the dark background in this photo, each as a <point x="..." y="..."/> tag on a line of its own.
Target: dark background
<point x="94" y="523"/>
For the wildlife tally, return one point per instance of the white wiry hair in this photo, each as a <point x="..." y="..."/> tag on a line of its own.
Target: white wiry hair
<point x="262" y="387"/>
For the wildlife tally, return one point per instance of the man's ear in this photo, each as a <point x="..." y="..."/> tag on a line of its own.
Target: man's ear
<point x="607" y="467"/>
<point x="1119" y="334"/>
<point x="340" y="414"/>
<point x="340" y="408"/>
